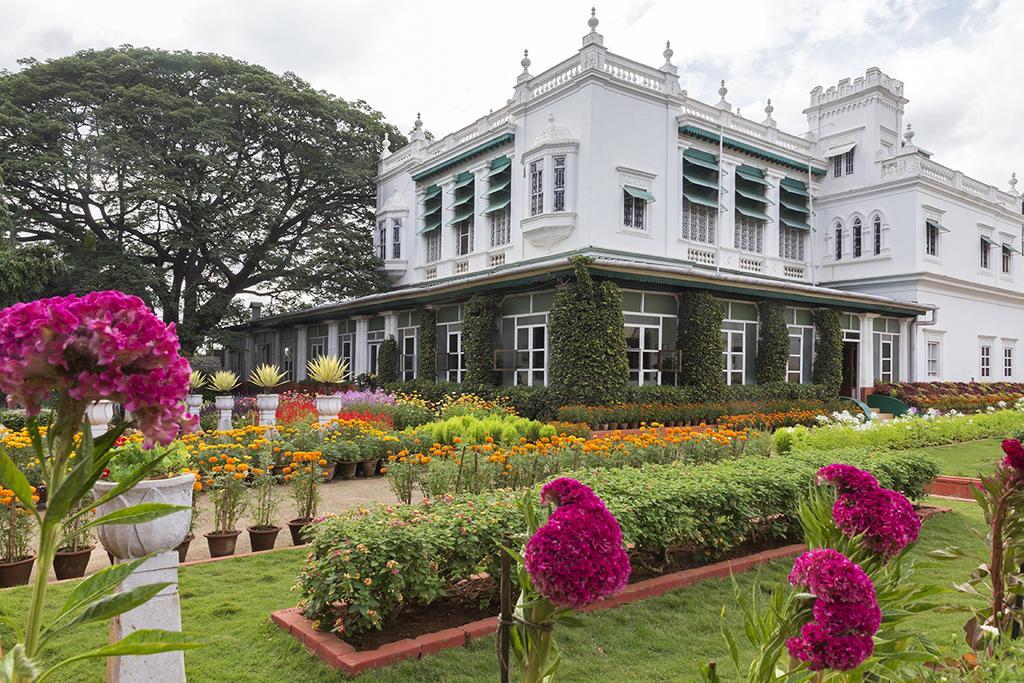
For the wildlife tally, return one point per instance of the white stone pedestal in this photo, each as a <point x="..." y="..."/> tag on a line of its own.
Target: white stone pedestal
<point x="224" y="404"/>
<point x="99" y="414"/>
<point x="163" y="611"/>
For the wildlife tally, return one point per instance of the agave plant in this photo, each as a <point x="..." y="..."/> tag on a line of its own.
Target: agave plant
<point x="197" y="381"/>
<point x="327" y="370"/>
<point x="224" y="381"/>
<point x="267" y="376"/>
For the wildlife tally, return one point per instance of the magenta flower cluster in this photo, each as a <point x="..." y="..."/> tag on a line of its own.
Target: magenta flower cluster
<point x="1014" y="454"/>
<point x="104" y="345"/>
<point x="846" y="612"/>
<point x="577" y="556"/>
<point x="885" y="519"/>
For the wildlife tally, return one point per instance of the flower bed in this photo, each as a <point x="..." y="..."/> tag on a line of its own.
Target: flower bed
<point x="961" y="396"/>
<point x="623" y="415"/>
<point x="365" y="565"/>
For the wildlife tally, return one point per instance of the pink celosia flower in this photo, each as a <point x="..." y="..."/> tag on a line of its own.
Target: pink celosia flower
<point x="104" y="345"/>
<point x="825" y="651"/>
<point x="1014" y="454"/>
<point x="577" y="556"/>
<point x="847" y="478"/>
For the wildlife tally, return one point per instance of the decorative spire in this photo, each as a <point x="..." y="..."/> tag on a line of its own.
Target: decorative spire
<point x="667" y="54"/>
<point x="385" y="150"/>
<point x="417" y="130"/>
<point x="1013" y="184"/>
<point x="593" y="38"/>
<point x="768" y="109"/>
<point x="525" y="62"/>
<point x="908" y="137"/>
<point x="722" y="103"/>
<point x="593" y="21"/>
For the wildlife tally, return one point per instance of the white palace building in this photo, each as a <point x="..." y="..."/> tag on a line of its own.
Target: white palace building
<point x="607" y="157"/>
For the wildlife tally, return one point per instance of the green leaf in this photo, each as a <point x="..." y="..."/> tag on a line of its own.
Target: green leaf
<point x="131" y="480"/>
<point x="88" y="466"/>
<point x="136" y="514"/>
<point x="15" y="663"/>
<point x="96" y="586"/>
<point x="118" y="603"/>
<point x="13" y="478"/>
<point x="141" y="642"/>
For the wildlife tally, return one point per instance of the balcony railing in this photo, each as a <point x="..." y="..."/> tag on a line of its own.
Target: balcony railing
<point x="917" y="166"/>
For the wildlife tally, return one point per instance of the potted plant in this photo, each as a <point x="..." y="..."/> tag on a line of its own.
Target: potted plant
<point x="226" y="486"/>
<point x="15" y="527"/>
<point x="76" y="544"/>
<point x="263" y="532"/>
<point x="197" y="381"/>
<point x="224" y="382"/>
<point x="304" y="474"/>
<point x="267" y="377"/>
<point x="345" y="454"/>
<point x="329" y="371"/>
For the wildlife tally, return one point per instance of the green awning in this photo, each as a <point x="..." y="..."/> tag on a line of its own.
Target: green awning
<point x="937" y="226"/>
<point x="793" y="206"/>
<point x="461" y="215"/>
<point x="500" y="185"/>
<point x="989" y="241"/>
<point x="499" y="164"/>
<point x="752" y="196"/>
<point x="463" y="180"/>
<point x="432" y="191"/>
<point x="790" y="223"/>
<point x="639" y="193"/>
<point x="1013" y="249"/>
<point x="797" y="187"/>
<point x="699" y="158"/>
<point x="498" y="205"/>
<point x="430" y="226"/>
<point x="460" y="201"/>
<point x="751" y="212"/>
<point x="697" y="198"/>
<point x="750" y="175"/>
<point x="692" y="177"/>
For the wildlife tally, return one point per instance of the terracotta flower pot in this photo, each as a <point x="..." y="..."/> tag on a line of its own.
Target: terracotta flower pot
<point x="183" y="547"/>
<point x="16" y="573"/>
<point x="222" y="544"/>
<point x="263" y="537"/>
<point x="71" y="564"/>
<point x="296" y="526"/>
<point x="329" y="471"/>
<point x="368" y="468"/>
<point x="347" y="470"/>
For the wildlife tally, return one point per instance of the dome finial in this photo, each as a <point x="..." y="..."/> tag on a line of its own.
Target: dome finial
<point x="768" y="109"/>
<point x="593" y="21"/>
<point x="722" y="103"/>
<point x="525" y="61"/>
<point x="1013" y="183"/>
<point x="667" y="54"/>
<point x="419" y="121"/>
<point x="908" y="136"/>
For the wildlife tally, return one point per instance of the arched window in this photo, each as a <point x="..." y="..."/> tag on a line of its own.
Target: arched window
<point x="838" y="232"/>
<point x="857" y="238"/>
<point x="876" y="236"/>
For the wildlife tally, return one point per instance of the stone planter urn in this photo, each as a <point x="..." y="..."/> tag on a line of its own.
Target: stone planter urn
<point x="327" y="407"/>
<point x="99" y="414"/>
<point x="195" y="405"/>
<point x="131" y="541"/>
<point x="267" y="405"/>
<point x="224" y="404"/>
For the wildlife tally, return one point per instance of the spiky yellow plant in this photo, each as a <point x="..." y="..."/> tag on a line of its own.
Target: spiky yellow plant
<point x="224" y="381"/>
<point x="197" y="380"/>
<point x="327" y="369"/>
<point x="267" y="376"/>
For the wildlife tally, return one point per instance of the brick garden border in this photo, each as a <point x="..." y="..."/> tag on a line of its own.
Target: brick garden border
<point x="959" y="488"/>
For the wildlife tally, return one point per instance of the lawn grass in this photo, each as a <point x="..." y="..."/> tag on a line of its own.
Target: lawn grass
<point x="660" y="639"/>
<point x="966" y="459"/>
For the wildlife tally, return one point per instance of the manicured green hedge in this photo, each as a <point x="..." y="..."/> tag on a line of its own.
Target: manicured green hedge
<point x="699" y="337"/>
<point x="14" y="419"/>
<point x="828" y="349"/>
<point x="363" y="566"/>
<point x="587" y="340"/>
<point x="480" y="339"/>
<point x="387" y="360"/>
<point x="426" y="362"/>
<point x="772" y="343"/>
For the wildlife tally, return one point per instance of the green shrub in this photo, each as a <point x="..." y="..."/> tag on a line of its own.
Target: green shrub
<point x="700" y="339"/>
<point x="364" y="566"/>
<point x="686" y="413"/>
<point x="587" y="340"/>
<point x="480" y="339"/>
<point x="426" y="371"/>
<point x="504" y="429"/>
<point x="772" y="360"/>
<point x="14" y="419"/>
<point x="387" y="360"/>
<point x="828" y="349"/>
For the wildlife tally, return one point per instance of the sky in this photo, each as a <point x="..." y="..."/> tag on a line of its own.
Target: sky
<point x="456" y="60"/>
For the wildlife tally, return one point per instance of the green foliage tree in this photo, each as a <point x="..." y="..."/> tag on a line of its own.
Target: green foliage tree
<point x="828" y="349"/>
<point x="426" y="361"/>
<point x="587" y="341"/>
<point x="772" y="343"/>
<point x="29" y="272"/>
<point x="191" y="179"/>
<point x="387" y="360"/>
<point x="480" y="339"/>
<point x="699" y="337"/>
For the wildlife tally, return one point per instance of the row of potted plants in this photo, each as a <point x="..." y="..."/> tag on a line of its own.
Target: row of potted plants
<point x="962" y="396"/>
<point x="632" y="415"/>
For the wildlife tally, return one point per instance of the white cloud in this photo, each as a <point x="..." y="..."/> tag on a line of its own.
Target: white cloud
<point x="457" y="59"/>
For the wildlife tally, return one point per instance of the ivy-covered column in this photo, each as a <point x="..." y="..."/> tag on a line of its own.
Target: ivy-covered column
<point x="772" y="343"/>
<point x="587" y="341"/>
<point x="699" y="340"/>
<point x="426" y="361"/>
<point x="480" y="339"/>
<point x="828" y="350"/>
<point x="387" y="360"/>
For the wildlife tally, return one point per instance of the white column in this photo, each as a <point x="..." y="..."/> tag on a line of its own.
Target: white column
<point x="332" y="338"/>
<point x="772" y="227"/>
<point x="447" y="213"/>
<point x="727" y="217"/>
<point x="361" y="355"/>
<point x="300" y="353"/>
<point x="390" y="323"/>
<point x="481" y="225"/>
<point x="275" y="349"/>
<point x="905" y="342"/>
<point x="866" y="352"/>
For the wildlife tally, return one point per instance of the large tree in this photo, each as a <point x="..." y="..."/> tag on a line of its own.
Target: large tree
<point x="190" y="179"/>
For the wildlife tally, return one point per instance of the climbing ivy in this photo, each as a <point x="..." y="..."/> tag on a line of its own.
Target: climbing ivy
<point x="699" y="338"/>
<point x="828" y="349"/>
<point x="387" y="360"/>
<point x="587" y="340"/>
<point x="480" y="339"/>
<point x="772" y="343"/>
<point x="426" y="369"/>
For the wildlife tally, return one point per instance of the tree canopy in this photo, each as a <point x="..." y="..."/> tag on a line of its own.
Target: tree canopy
<point x="190" y="179"/>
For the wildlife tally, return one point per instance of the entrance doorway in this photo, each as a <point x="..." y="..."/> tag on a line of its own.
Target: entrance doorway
<point x="849" y="386"/>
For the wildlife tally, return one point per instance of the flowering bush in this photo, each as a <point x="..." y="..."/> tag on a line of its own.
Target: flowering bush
<point x="16" y="525"/>
<point x="295" y="407"/>
<point x="686" y="414"/>
<point x="961" y="396"/>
